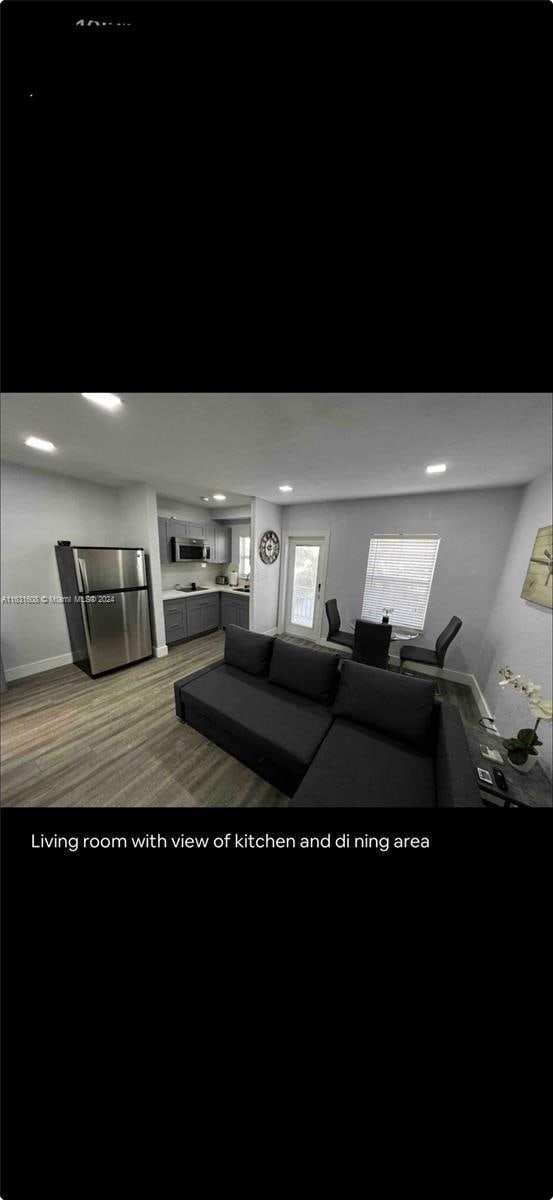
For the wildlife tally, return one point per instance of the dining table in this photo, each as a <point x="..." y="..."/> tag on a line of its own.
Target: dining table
<point x="396" y="635"/>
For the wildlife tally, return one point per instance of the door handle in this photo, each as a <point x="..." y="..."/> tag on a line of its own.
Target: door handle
<point x="84" y="576"/>
<point x="86" y="622"/>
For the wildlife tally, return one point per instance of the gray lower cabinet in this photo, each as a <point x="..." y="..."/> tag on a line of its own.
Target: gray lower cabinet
<point x="234" y="611"/>
<point x="202" y="613"/>
<point x="193" y="615"/>
<point x="176" y="620"/>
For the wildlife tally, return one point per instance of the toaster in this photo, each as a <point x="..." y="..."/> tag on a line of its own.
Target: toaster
<point x="221" y="579"/>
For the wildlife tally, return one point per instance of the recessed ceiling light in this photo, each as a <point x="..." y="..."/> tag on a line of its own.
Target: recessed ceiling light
<point x="285" y="487"/>
<point x="106" y="399"/>
<point x="39" y="444"/>
<point x="218" y="496"/>
<point x="204" y="498"/>
<point x="436" y="469"/>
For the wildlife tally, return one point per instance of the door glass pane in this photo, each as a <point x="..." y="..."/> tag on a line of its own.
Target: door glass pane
<point x="304" y="585"/>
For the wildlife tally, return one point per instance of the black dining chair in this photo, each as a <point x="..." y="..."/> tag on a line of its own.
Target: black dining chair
<point x="371" y="643"/>
<point x="432" y="658"/>
<point x="335" y="634"/>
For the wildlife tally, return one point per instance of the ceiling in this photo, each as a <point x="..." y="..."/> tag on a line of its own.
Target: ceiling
<point x="326" y="445"/>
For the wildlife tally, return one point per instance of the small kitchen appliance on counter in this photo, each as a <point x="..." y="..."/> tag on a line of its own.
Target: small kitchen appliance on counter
<point x="223" y="579"/>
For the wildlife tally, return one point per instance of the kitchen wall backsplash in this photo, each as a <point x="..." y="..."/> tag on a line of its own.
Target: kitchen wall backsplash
<point x="193" y="572"/>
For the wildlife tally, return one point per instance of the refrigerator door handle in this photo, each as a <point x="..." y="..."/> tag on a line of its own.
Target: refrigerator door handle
<point x="84" y="576"/>
<point x="86" y="623"/>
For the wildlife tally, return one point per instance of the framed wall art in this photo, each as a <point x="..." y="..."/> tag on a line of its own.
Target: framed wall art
<point x="538" y="585"/>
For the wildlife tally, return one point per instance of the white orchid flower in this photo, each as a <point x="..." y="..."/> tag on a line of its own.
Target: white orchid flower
<point x="512" y="679"/>
<point x="541" y="709"/>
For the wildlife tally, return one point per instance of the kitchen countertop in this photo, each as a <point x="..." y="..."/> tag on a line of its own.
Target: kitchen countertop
<point x="175" y="594"/>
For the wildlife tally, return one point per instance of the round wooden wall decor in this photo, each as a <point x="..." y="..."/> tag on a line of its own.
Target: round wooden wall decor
<point x="269" y="547"/>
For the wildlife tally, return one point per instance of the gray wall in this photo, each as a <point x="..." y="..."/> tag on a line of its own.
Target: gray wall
<point x="518" y="633"/>
<point x="184" y="512"/>
<point x="265" y="580"/>
<point x="242" y="512"/>
<point x="475" y="528"/>
<point x="138" y="518"/>
<point x="38" y="508"/>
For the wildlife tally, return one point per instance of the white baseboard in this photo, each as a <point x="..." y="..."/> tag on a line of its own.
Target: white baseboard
<point x="482" y="704"/>
<point x="325" y="642"/>
<point x="463" y="677"/>
<point x="59" y="660"/>
<point x="454" y="677"/>
<point x="271" y="632"/>
<point x="34" y="668"/>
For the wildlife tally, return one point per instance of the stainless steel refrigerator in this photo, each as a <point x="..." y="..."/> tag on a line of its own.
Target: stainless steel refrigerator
<point x="107" y="604"/>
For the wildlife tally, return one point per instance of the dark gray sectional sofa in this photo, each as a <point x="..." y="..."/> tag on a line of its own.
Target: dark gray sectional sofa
<point x="330" y="732"/>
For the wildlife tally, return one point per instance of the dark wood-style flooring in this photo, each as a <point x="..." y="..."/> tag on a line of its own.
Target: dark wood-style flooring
<point x="68" y="740"/>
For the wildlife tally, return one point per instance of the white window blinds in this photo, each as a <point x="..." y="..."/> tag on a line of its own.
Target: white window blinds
<point x="399" y="577"/>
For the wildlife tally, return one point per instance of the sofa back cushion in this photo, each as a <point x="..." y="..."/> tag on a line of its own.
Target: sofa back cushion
<point x="311" y="673"/>
<point x="391" y="703"/>
<point x="249" y="651"/>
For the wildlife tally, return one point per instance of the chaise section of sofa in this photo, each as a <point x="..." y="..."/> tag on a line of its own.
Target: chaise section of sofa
<point x="391" y="745"/>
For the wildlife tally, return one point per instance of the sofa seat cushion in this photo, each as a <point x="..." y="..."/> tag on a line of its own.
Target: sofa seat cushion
<point x="390" y="703"/>
<point x="305" y="670"/>
<point x="281" y="725"/>
<point x="357" y="767"/>
<point x="249" y="651"/>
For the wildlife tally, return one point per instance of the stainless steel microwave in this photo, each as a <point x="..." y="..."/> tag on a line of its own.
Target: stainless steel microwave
<point x="189" y="550"/>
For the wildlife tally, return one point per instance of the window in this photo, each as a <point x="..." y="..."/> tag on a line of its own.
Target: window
<point x="244" y="564"/>
<point x="399" y="577"/>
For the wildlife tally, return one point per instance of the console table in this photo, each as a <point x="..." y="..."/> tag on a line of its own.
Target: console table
<point x="526" y="790"/>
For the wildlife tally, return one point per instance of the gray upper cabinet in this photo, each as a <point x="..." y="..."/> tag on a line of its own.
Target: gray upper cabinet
<point x="217" y="537"/>
<point x="222" y="544"/>
<point x="169" y="528"/>
<point x="209" y="539"/>
<point x="178" y="528"/>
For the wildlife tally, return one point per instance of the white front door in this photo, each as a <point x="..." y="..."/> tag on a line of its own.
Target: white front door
<point x="305" y="577"/>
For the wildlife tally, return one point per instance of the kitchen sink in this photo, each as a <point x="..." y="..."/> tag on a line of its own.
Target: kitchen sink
<point x="180" y="588"/>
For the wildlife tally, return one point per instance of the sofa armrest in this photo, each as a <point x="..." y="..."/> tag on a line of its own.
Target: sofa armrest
<point x="188" y="679"/>
<point x="456" y="782"/>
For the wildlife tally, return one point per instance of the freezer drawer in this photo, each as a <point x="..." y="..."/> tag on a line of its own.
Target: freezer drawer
<point x="103" y="568"/>
<point x="117" y="629"/>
